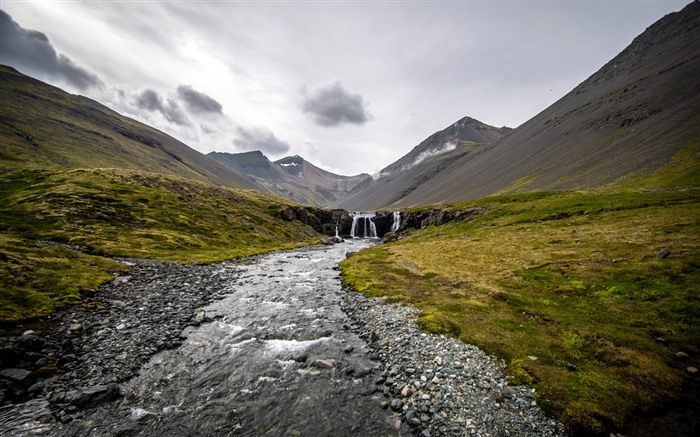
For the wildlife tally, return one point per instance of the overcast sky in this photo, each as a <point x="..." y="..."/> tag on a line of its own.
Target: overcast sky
<point x="350" y="86"/>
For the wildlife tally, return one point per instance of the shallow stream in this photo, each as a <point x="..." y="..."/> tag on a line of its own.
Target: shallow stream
<point x="278" y="359"/>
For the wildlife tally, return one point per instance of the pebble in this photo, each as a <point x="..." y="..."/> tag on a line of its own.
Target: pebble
<point x="436" y="382"/>
<point x="108" y="337"/>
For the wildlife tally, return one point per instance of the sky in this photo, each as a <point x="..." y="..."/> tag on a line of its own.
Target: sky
<point x="350" y="86"/>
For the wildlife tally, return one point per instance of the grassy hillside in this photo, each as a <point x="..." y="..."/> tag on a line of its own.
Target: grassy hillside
<point x="106" y="212"/>
<point x="42" y="126"/>
<point x="602" y="288"/>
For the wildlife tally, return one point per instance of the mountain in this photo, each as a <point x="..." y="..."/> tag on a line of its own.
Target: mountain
<point x="464" y="139"/>
<point x="299" y="168"/>
<point x="42" y="126"/>
<point x="292" y="177"/>
<point x="253" y="164"/>
<point x="631" y="117"/>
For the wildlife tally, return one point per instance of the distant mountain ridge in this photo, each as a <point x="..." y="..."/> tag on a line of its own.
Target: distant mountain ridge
<point x="628" y="119"/>
<point x="466" y="137"/>
<point x="292" y="177"/>
<point x="42" y="126"/>
<point x="633" y="116"/>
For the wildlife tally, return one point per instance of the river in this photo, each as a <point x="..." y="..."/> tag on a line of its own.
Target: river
<point x="280" y="358"/>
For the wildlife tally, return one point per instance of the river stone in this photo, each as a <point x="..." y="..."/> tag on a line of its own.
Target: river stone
<point x="396" y="404"/>
<point x="324" y="364"/>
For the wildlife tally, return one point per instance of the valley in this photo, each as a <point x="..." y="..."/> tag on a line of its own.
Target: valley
<point x="536" y="280"/>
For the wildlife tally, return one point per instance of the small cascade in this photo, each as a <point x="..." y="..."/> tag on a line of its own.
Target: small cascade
<point x="336" y="233"/>
<point x="397" y="222"/>
<point x="370" y="229"/>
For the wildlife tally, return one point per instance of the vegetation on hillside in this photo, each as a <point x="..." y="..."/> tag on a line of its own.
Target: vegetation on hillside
<point x="44" y="127"/>
<point x="119" y="213"/>
<point x="587" y="296"/>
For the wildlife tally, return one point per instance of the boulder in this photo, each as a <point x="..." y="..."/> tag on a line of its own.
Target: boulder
<point x="287" y="214"/>
<point x="390" y="237"/>
<point x="21" y="377"/>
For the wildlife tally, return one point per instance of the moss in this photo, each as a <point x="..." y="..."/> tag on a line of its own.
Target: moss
<point x="569" y="277"/>
<point x="518" y="375"/>
<point x="39" y="279"/>
<point x="127" y="214"/>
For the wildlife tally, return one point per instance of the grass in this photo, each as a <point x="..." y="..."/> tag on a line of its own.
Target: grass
<point x="120" y="213"/>
<point x="571" y="278"/>
<point x="39" y="278"/>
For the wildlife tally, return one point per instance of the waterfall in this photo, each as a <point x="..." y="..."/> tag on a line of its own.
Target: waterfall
<point x="397" y="222"/>
<point x="370" y="229"/>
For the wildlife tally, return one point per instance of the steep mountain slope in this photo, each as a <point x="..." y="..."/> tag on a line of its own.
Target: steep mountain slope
<point x="292" y="177"/>
<point x="464" y="139"/>
<point x="42" y="126"/>
<point x="628" y="119"/>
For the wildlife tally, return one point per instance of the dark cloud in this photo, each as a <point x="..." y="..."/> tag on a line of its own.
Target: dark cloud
<point x="198" y="101"/>
<point x="260" y="139"/>
<point x="332" y="105"/>
<point x="152" y="101"/>
<point x="33" y="53"/>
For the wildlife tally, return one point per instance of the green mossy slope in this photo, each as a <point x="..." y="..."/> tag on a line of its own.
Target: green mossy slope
<point x="109" y="212"/>
<point x="601" y="287"/>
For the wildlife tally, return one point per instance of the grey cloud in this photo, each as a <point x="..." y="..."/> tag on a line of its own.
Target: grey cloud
<point x="332" y="105"/>
<point x="152" y="101"/>
<point x="256" y="138"/>
<point x="198" y="101"/>
<point x="32" y="52"/>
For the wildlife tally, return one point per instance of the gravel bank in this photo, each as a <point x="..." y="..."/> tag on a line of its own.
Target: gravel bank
<point x="442" y="386"/>
<point x="79" y="356"/>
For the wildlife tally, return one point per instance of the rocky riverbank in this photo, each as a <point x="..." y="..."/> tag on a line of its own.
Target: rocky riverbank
<point x="442" y="386"/>
<point x="78" y="357"/>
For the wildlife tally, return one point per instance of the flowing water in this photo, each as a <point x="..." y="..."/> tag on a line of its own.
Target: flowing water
<point x="276" y="361"/>
<point x="369" y="229"/>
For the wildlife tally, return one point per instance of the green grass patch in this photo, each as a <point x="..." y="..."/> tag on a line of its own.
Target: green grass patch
<point x="568" y="277"/>
<point x="39" y="279"/>
<point x="125" y="214"/>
